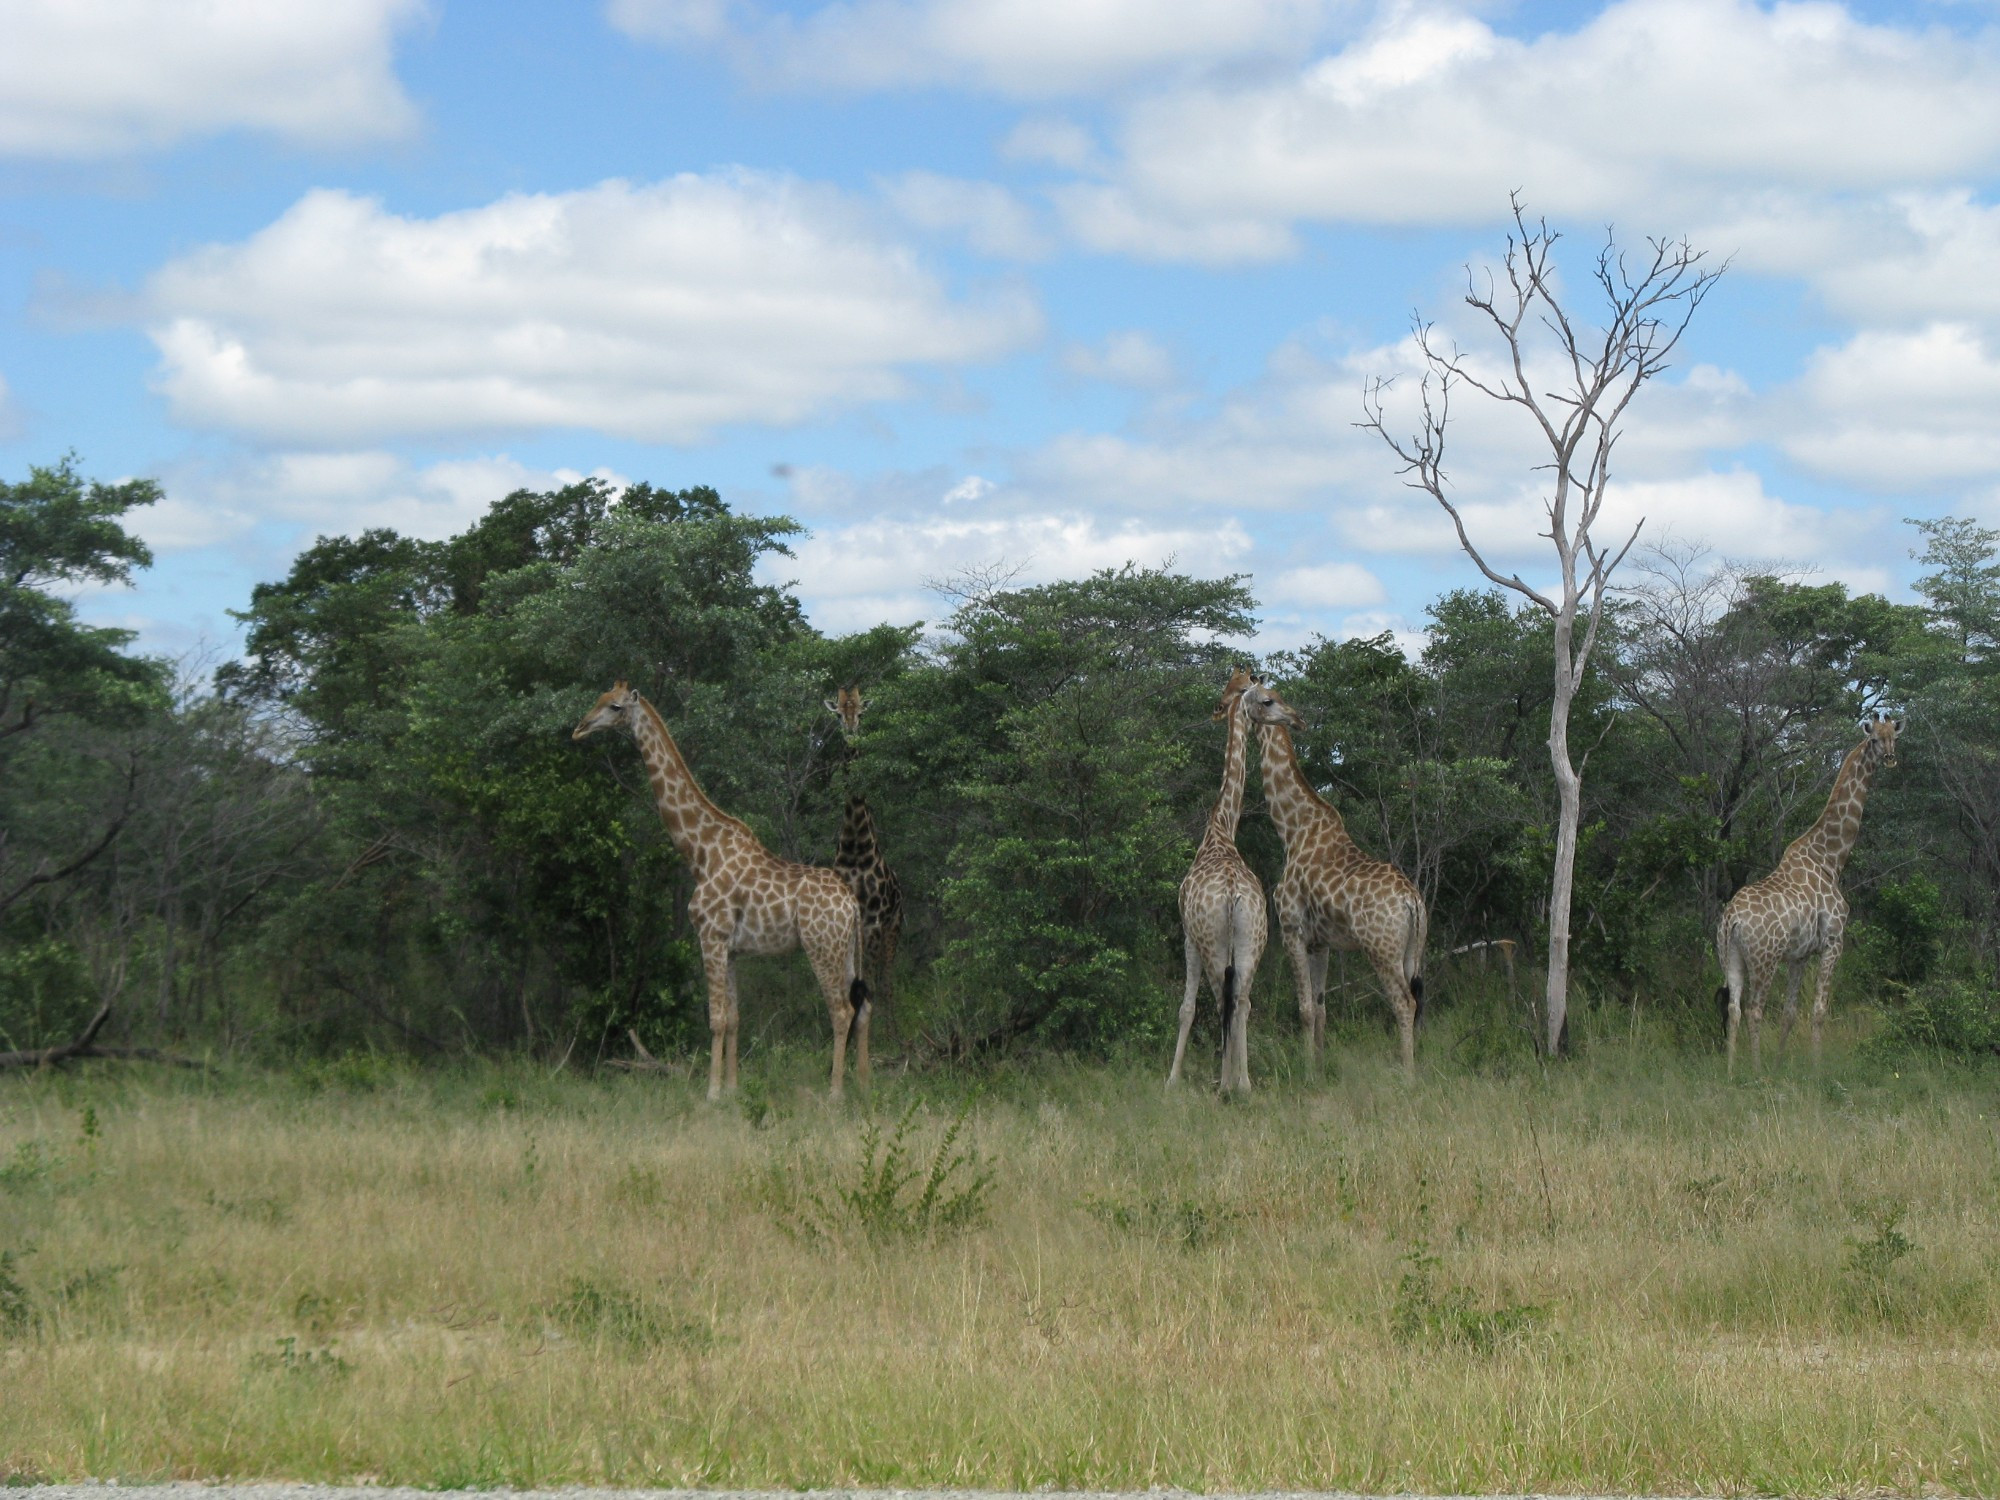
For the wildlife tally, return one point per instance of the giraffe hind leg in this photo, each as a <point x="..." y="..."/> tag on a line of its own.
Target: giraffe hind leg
<point x="1192" y="991"/>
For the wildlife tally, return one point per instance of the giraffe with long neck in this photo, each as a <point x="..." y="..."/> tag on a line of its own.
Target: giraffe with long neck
<point x="746" y="899"/>
<point x="858" y="857"/>
<point x="1333" y="896"/>
<point x="1222" y="901"/>
<point x="1797" y="910"/>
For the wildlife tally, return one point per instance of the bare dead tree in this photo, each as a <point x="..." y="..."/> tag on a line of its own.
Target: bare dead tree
<point x="1597" y="373"/>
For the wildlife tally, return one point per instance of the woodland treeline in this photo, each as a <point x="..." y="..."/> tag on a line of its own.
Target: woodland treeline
<point x="373" y="829"/>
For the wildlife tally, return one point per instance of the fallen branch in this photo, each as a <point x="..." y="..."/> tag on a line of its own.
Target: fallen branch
<point x="84" y="1044"/>
<point x="645" y="1062"/>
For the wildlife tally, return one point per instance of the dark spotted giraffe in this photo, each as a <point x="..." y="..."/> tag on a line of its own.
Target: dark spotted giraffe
<point x="746" y="899"/>
<point x="1797" y="910"/>
<point x="859" y="858"/>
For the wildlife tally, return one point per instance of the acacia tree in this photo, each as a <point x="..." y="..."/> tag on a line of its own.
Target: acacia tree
<point x="1574" y="383"/>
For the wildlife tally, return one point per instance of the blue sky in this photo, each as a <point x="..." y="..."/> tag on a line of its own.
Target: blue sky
<point x="1047" y="284"/>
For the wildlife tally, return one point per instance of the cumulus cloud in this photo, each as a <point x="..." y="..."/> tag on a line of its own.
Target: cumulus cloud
<point x="1335" y="585"/>
<point x="1129" y="358"/>
<point x="90" y="77"/>
<point x="328" y="493"/>
<point x="658" y="311"/>
<point x="1659" y="107"/>
<point x="991" y="219"/>
<point x="1897" y="411"/>
<point x="1021" y="48"/>
<point x="855" y="575"/>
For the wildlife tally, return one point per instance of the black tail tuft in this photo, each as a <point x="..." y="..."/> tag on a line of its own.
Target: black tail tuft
<point x="1722" y="1007"/>
<point x="1228" y="1004"/>
<point x="1417" y="994"/>
<point x="857" y="994"/>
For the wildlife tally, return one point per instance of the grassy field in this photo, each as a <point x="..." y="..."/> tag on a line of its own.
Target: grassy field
<point x="1625" y="1275"/>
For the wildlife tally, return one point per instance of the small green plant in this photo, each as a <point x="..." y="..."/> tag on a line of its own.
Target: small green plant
<point x="89" y="1127"/>
<point x="31" y="1165"/>
<point x="589" y="1310"/>
<point x="1871" y="1265"/>
<point x="1429" y="1310"/>
<point x="306" y="1364"/>
<point x="1191" y="1223"/>
<point x="258" y="1208"/>
<point x="17" y="1308"/>
<point x="753" y="1097"/>
<point x="891" y="1197"/>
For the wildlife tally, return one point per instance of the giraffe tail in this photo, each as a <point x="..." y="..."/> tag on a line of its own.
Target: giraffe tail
<point x="1228" y="1002"/>
<point x="857" y="984"/>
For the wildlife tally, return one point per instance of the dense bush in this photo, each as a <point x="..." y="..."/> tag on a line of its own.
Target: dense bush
<point x="373" y="830"/>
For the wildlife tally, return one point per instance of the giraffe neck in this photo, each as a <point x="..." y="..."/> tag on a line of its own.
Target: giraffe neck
<point x="695" y="824"/>
<point x="1229" y="804"/>
<point x="1295" y="807"/>
<point x="1830" y="840"/>
<point x="857" y="836"/>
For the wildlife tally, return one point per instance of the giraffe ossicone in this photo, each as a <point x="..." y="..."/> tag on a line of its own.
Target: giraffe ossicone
<point x="1334" y="897"/>
<point x="1797" y="912"/>
<point x="746" y="899"/>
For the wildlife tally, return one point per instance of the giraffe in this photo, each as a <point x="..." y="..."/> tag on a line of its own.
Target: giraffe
<point x="1334" y="896"/>
<point x="746" y="900"/>
<point x="1222" y="901"/>
<point x="858" y="857"/>
<point x="1797" y="910"/>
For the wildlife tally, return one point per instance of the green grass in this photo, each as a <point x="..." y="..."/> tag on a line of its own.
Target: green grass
<point x="1626" y="1275"/>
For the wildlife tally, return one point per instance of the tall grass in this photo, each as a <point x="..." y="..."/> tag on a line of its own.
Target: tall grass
<point x="1621" y="1275"/>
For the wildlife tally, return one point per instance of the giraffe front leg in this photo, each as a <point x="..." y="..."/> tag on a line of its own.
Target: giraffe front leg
<point x="1295" y="950"/>
<point x="735" y="1026"/>
<point x="1760" y="985"/>
<point x="1317" y="961"/>
<point x="1823" y="992"/>
<point x="1193" y="990"/>
<point x="1794" y="971"/>
<point x="716" y="970"/>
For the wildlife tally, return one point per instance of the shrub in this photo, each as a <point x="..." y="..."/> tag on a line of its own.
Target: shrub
<point x="891" y="1197"/>
<point x="1950" y="1017"/>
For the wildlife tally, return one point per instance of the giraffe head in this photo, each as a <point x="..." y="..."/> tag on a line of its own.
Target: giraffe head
<point x="1262" y="706"/>
<point x="1879" y="735"/>
<point x="1255" y="701"/>
<point x="612" y="710"/>
<point x="846" y="706"/>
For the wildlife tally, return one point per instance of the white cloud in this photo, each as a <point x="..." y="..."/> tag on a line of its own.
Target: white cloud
<point x="1129" y="358"/>
<point x="1900" y="411"/>
<point x="1935" y="258"/>
<point x="992" y="220"/>
<point x="659" y="312"/>
<point x="336" y="492"/>
<point x="1672" y="109"/>
<point x="10" y="417"/>
<point x="1335" y="585"/>
<point x="1023" y="48"/>
<point x="854" y="576"/>
<point x="88" y="77"/>
<point x="1050" y="139"/>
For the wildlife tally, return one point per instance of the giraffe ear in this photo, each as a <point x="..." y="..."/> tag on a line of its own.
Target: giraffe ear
<point x="830" y="706"/>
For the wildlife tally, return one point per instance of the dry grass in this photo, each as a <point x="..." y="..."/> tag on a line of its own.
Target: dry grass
<point x="1628" y="1276"/>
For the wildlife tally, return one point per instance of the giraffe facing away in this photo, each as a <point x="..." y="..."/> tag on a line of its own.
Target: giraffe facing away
<point x="1797" y="910"/>
<point x="746" y="899"/>
<point x="1332" y="896"/>
<point x="858" y="857"/>
<point x="1222" y="901"/>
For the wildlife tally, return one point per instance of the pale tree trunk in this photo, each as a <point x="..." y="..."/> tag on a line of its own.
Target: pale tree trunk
<point x="1576" y="400"/>
<point x="1569" y="814"/>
